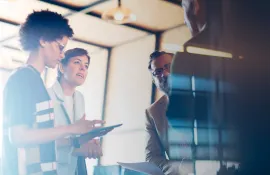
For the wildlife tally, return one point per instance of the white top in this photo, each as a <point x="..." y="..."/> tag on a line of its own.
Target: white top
<point x="69" y="107"/>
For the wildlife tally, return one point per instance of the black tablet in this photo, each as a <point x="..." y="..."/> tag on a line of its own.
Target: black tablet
<point x="102" y="129"/>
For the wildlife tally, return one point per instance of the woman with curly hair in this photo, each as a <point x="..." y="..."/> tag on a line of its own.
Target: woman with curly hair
<point x="29" y="132"/>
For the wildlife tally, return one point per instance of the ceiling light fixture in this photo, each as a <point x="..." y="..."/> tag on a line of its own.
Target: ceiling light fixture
<point x="119" y="15"/>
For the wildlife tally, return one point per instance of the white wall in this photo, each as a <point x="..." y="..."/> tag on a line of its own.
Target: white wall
<point x="128" y="95"/>
<point x="93" y="88"/>
<point x="174" y="39"/>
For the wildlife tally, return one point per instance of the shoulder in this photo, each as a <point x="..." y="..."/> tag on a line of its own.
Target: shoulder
<point x="21" y="73"/>
<point x="50" y="92"/>
<point x="79" y="96"/>
<point x="160" y="104"/>
<point x="21" y="78"/>
<point x="157" y="109"/>
<point x="55" y="91"/>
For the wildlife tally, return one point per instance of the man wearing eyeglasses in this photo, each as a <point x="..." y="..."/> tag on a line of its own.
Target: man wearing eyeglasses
<point x="156" y="122"/>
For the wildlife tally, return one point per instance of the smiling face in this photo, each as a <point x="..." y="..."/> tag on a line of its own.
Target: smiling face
<point x="76" y="70"/>
<point x="160" y="69"/>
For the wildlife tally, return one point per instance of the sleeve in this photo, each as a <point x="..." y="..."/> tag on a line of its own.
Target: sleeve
<point x="18" y="103"/>
<point x="155" y="152"/>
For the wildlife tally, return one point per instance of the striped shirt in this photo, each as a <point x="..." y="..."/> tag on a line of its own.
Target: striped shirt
<point x="27" y="103"/>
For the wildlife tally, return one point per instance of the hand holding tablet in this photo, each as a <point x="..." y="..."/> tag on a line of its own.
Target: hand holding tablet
<point x="102" y="129"/>
<point x="97" y="132"/>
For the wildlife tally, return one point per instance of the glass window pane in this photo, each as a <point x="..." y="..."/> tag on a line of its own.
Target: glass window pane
<point x="180" y="135"/>
<point x="230" y="153"/>
<point x="207" y="136"/>
<point x="203" y="152"/>
<point x="180" y="152"/>
<point x="181" y="82"/>
<point x="229" y="137"/>
<point x="187" y="123"/>
<point x="203" y="84"/>
<point x="206" y="124"/>
<point x="202" y="106"/>
<point x="182" y="106"/>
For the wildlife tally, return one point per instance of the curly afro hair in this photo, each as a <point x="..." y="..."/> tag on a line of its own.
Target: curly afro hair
<point x="45" y="25"/>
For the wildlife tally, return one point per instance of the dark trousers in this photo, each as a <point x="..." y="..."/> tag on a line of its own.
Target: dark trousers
<point x="81" y="166"/>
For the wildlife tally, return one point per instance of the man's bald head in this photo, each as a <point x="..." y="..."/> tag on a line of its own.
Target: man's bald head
<point x="194" y="14"/>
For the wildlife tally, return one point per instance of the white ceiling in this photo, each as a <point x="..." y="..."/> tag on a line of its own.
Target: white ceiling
<point x="17" y="10"/>
<point x="154" y="15"/>
<point x="151" y="14"/>
<point x="101" y="32"/>
<point x="7" y="30"/>
<point x="79" y="3"/>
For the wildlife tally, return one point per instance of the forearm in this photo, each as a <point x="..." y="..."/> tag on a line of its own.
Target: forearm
<point x="70" y="141"/>
<point x="64" y="142"/>
<point x="23" y="136"/>
<point x="155" y="153"/>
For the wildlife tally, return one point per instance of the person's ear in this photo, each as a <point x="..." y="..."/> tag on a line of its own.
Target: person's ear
<point x="42" y="43"/>
<point x="153" y="81"/>
<point x="61" y="68"/>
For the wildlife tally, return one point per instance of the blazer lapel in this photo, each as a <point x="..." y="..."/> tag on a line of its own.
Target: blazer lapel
<point x="162" y="129"/>
<point x="77" y="106"/>
<point x="63" y="106"/>
<point x="161" y="122"/>
<point x="60" y="97"/>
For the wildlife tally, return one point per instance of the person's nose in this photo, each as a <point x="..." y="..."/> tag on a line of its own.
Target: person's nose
<point x="165" y="73"/>
<point x="82" y="67"/>
<point x="62" y="55"/>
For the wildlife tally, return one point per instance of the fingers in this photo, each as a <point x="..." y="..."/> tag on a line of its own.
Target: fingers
<point x="97" y="141"/>
<point x="90" y="153"/>
<point x="94" y="151"/>
<point x="95" y="154"/>
<point x="89" y="124"/>
<point x="98" y="151"/>
<point x="98" y="122"/>
<point x="101" y="153"/>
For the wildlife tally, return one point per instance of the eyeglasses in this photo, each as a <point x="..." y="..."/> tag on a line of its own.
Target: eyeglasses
<point x="61" y="46"/>
<point x="159" y="71"/>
